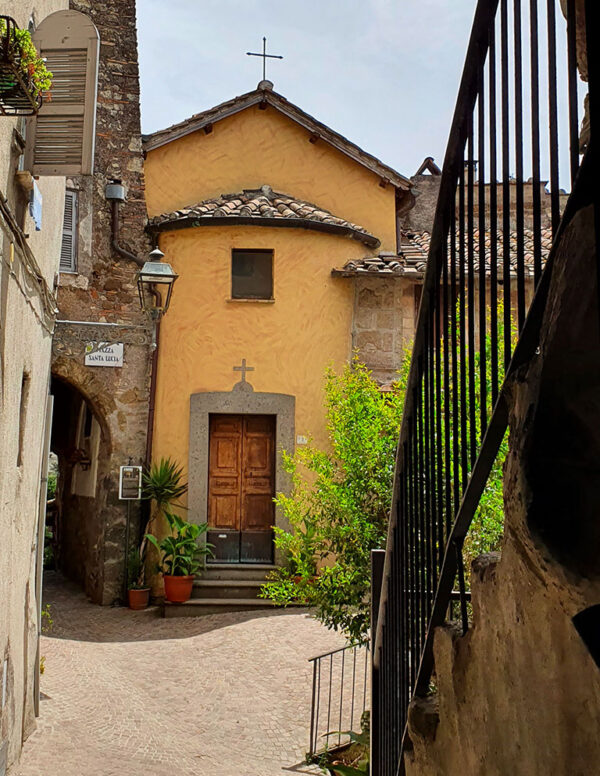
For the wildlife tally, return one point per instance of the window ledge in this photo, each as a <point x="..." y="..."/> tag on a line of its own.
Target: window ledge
<point x="246" y="301"/>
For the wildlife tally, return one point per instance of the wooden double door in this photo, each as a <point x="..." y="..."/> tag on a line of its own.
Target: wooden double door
<point x="241" y="487"/>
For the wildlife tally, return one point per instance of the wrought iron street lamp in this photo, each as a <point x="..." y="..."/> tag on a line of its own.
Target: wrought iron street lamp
<point x="155" y="284"/>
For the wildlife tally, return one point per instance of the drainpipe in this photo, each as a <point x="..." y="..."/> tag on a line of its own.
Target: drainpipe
<point x="118" y="249"/>
<point x="152" y="397"/>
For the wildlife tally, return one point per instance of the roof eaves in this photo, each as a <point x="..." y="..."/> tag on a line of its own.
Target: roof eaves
<point x="237" y="104"/>
<point x="191" y="222"/>
<point x="200" y="120"/>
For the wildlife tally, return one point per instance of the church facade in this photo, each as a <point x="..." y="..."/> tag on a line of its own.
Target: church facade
<point x="254" y="203"/>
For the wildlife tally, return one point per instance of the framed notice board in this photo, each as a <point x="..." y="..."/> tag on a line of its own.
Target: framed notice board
<point x="130" y="483"/>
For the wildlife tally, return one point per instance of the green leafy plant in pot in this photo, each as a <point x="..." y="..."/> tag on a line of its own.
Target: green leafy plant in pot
<point x="181" y="553"/>
<point x="23" y="70"/>
<point x="138" y="593"/>
<point x="181" y="556"/>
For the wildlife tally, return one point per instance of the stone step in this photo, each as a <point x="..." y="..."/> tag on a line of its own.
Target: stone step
<point x="198" y="607"/>
<point x="227" y="588"/>
<point x="229" y="571"/>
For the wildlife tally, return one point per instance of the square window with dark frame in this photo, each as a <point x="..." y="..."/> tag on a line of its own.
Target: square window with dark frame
<point x="251" y="274"/>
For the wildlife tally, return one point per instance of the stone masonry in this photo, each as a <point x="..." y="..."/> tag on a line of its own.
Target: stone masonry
<point x="385" y="314"/>
<point x="103" y="290"/>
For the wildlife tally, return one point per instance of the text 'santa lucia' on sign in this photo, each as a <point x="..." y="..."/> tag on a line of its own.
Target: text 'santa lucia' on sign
<point x="104" y="354"/>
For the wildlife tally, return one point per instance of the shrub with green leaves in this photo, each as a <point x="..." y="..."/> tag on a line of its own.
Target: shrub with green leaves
<point x="180" y="553"/>
<point x="338" y="509"/>
<point x="339" y="506"/>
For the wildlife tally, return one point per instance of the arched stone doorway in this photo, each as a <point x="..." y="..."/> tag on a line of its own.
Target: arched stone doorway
<point x="81" y="442"/>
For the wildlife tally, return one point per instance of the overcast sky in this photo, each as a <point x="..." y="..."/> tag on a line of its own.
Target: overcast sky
<point x="384" y="73"/>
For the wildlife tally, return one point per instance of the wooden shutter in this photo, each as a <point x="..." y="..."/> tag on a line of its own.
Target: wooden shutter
<point x="61" y="136"/>
<point x="68" y="250"/>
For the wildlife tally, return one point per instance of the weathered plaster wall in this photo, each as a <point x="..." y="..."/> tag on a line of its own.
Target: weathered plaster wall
<point x="104" y="290"/>
<point x="257" y="147"/>
<point x="25" y="342"/>
<point x="520" y="693"/>
<point x="289" y="342"/>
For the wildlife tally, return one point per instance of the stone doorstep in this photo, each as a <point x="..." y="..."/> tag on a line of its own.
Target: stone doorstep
<point x="227" y="588"/>
<point x="198" y="607"/>
<point x="236" y="571"/>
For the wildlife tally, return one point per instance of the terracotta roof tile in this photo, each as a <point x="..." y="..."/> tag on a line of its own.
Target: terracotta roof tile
<point x="261" y="203"/>
<point x="412" y="259"/>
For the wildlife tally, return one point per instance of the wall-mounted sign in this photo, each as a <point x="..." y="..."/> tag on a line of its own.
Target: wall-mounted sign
<point x="130" y="483"/>
<point x="104" y="354"/>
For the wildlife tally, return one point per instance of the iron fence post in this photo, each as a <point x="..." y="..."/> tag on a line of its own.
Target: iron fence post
<point x="377" y="563"/>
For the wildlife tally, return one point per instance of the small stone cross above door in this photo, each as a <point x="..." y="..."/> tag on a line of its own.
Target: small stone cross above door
<point x="243" y="384"/>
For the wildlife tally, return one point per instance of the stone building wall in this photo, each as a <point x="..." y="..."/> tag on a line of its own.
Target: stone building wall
<point x="91" y="528"/>
<point x="28" y="264"/>
<point x="385" y="312"/>
<point x="520" y="692"/>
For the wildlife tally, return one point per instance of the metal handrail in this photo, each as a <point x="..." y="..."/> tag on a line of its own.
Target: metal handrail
<point x="454" y="418"/>
<point x="336" y="688"/>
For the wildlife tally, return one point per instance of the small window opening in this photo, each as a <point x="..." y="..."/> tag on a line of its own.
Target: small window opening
<point x="251" y="274"/>
<point x="25" y="382"/>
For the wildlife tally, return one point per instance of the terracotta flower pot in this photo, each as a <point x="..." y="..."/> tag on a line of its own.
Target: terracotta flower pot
<point x="138" y="599"/>
<point x="178" y="590"/>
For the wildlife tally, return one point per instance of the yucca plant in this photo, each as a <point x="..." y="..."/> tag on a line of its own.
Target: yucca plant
<point x="163" y="484"/>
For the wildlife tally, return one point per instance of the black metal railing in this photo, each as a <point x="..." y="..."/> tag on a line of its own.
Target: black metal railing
<point x="492" y="246"/>
<point x="16" y="89"/>
<point x="340" y="696"/>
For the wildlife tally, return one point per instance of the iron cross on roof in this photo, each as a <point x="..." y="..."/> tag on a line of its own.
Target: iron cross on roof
<point x="264" y="56"/>
<point x="243" y="369"/>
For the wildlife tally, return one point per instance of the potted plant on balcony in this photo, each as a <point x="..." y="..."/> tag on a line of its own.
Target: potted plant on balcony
<point x="138" y="593"/>
<point x="181" y="556"/>
<point x="24" y="77"/>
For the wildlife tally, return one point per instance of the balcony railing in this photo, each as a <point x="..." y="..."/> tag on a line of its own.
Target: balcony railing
<point x="516" y="127"/>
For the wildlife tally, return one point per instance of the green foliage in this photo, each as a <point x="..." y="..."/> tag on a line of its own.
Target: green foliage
<point x="487" y="527"/>
<point x="353" y="760"/>
<point x="180" y="552"/>
<point x="49" y="559"/>
<point x="135" y="570"/>
<point x="47" y="621"/>
<point x="32" y="66"/>
<point x="339" y="506"/>
<point x="51" y="488"/>
<point x="163" y="483"/>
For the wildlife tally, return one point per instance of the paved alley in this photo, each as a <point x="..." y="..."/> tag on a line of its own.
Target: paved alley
<point x="129" y="694"/>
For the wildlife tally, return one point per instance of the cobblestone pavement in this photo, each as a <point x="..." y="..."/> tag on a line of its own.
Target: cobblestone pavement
<point x="129" y="694"/>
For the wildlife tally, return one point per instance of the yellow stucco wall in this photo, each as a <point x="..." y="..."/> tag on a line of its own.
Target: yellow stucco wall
<point x="256" y="147"/>
<point x="288" y="342"/>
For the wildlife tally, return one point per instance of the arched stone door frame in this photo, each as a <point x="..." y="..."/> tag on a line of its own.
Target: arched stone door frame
<point x="242" y="400"/>
<point x="82" y="515"/>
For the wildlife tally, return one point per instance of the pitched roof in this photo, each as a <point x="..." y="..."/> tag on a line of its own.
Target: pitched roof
<point x="264" y="95"/>
<point x="412" y="259"/>
<point x="261" y="207"/>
